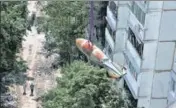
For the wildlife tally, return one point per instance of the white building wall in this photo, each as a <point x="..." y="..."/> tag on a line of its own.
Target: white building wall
<point x="152" y="22"/>
<point x="149" y="53"/>
<point x="165" y="56"/>
<point x="168" y="26"/>
<point x="152" y="86"/>
<point x="121" y="33"/>
<point x="158" y="34"/>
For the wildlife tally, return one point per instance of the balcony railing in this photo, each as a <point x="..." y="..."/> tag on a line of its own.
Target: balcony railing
<point x="109" y="39"/>
<point x="131" y="64"/>
<point x="133" y="55"/>
<point x="111" y="32"/>
<point x="113" y="9"/>
<point x="110" y="19"/>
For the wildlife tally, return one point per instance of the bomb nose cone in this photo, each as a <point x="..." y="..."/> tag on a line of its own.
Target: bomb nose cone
<point x="84" y="44"/>
<point x="79" y="41"/>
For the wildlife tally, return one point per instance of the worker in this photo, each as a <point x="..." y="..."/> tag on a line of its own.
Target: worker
<point x="24" y="88"/>
<point x="32" y="88"/>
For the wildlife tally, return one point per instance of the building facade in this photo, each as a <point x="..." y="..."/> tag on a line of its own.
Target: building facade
<point x="141" y="35"/>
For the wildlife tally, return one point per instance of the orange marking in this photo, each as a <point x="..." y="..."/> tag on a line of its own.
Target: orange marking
<point x="87" y="45"/>
<point x="98" y="54"/>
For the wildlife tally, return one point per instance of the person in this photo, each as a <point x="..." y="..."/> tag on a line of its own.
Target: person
<point x="32" y="88"/>
<point x="24" y="88"/>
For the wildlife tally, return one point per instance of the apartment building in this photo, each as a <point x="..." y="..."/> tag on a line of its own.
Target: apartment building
<point x="141" y="35"/>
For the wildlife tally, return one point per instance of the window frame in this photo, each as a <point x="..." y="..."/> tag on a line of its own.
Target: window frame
<point x="137" y="44"/>
<point x="132" y="69"/>
<point x="139" y="13"/>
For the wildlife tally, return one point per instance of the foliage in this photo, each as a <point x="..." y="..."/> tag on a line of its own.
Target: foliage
<point x="13" y="28"/>
<point x="85" y="86"/>
<point x="64" y="21"/>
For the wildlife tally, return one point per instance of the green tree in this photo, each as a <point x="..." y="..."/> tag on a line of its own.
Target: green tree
<point x="12" y="29"/>
<point x="63" y="22"/>
<point x="85" y="86"/>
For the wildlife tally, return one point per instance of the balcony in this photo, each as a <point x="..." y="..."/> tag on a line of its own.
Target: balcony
<point x="133" y="68"/>
<point x="109" y="39"/>
<point x="136" y="26"/>
<point x="132" y="84"/>
<point x="108" y="51"/>
<point x="111" y="19"/>
<point x="133" y="55"/>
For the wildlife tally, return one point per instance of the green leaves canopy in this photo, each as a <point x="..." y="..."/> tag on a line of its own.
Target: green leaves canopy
<point x="85" y="86"/>
<point x="12" y="29"/>
<point x="64" y="21"/>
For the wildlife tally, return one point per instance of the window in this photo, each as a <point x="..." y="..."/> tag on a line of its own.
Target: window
<point x="112" y="33"/>
<point x="132" y="69"/>
<point x="138" y="12"/>
<point x="113" y="8"/>
<point x="138" y="45"/>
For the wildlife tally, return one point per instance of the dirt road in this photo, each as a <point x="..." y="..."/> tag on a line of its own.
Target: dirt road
<point x="30" y="48"/>
<point x="39" y="66"/>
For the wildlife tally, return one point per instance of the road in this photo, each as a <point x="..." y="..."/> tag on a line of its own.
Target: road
<point x="39" y="66"/>
<point x="30" y="47"/>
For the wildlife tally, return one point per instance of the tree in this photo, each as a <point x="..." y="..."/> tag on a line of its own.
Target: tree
<point x="85" y="86"/>
<point x="64" y="21"/>
<point x="12" y="29"/>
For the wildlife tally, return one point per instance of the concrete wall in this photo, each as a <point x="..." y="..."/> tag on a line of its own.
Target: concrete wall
<point x="121" y="33"/>
<point x="155" y="5"/>
<point x="152" y="24"/>
<point x="158" y="34"/>
<point x="169" y="5"/>
<point x="149" y="55"/>
<point x="168" y="27"/>
<point x="165" y="56"/>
